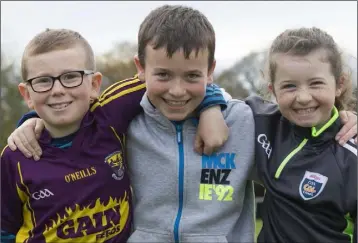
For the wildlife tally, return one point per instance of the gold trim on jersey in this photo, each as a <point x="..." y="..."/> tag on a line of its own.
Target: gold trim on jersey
<point x="2" y="152"/>
<point x="108" y="90"/>
<point x="29" y="221"/>
<point x="103" y="101"/>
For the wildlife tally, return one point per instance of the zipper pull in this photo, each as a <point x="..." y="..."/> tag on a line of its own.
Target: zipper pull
<point x="179" y="133"/>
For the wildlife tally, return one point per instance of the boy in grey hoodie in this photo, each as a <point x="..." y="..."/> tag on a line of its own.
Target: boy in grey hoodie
<point x="181" y="196"/>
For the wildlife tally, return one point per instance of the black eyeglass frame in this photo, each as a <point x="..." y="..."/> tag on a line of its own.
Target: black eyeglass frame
<point x="82" y="72"/>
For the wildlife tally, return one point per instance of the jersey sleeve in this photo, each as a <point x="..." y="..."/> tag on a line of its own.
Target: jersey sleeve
<point x="213" y="97"/>
<point x="350" y="188"/>
<point x="121" y="102"/>
<point x="11" y="205"/>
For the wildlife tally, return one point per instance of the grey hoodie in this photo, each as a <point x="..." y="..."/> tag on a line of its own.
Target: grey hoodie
<point x="181" y="196"/>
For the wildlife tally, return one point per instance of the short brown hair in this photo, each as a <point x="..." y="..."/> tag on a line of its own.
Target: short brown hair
<point x="303" y="41"/>
<point x="176" y="27"/>
<point x="56" y="39"/>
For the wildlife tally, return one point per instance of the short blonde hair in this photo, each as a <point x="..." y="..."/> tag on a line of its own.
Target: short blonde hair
<point x="56" y="39"/>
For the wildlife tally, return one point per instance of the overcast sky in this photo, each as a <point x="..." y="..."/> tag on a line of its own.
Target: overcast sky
<point x="241" y="27"/>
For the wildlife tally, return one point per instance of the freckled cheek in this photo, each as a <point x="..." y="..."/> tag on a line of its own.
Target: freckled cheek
<point x="284" y="100"/>
<point x="83" y="93"/>
<point x="197" y="89"/>
<point x="38" y="100"/>
<point x="156" y="88"/>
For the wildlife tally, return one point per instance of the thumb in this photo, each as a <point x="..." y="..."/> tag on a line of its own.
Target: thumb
<point x="198" y="144"/>
<point x="39" y="126"/>
<point x="344" y="116"/>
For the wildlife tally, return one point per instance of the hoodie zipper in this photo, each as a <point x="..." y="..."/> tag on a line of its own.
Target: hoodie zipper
<point x="179" y="134"/>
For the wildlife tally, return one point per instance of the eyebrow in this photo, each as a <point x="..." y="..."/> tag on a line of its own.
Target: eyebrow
<point x="314" y="78"/>
<point x="288" y="81"/>
<point x="293" y="81"/>
<point x="168" y="70"/>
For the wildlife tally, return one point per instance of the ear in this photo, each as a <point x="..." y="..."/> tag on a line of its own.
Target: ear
<point x="211" y="73"/>
<point x="270" y="87"/>
<point x="23" y="89"/>
<point x="140" y="69"/>
<point x="96" y="85"/>
<point x="340" y="85"/>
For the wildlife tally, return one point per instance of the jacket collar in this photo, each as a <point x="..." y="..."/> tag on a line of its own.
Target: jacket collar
<point x="325" y="133"/>
<point x="45" y="137"/>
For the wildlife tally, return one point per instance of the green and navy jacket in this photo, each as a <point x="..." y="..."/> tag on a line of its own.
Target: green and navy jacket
<point x="310" y="180"/>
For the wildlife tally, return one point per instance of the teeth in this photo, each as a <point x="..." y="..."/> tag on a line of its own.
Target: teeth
<point x="305" y="111"/>
<point x="176" y="103"/>
<point x="60" y="106"/>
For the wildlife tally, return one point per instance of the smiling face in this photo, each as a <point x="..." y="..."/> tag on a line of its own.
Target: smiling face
<point x="305" y="88"/>
<point x="175" y="86"/>
<point x="62" y="109"/>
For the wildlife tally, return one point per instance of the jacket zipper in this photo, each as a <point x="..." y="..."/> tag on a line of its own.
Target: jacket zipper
<point x="288" y="157"/>
<point x="179" y="134"/>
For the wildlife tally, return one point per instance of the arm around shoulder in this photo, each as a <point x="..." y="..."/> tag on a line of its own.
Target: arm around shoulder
<point x="120" y="102"/>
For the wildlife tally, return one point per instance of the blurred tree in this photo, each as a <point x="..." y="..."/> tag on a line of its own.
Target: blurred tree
<point x="117" y="64"/>
<point x="12" y="106"/>
<point x="244" y="77"/>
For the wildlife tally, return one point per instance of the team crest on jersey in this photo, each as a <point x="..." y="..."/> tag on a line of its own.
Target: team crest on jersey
<point x="115" y="161"/>
<point x="312" y="185"/>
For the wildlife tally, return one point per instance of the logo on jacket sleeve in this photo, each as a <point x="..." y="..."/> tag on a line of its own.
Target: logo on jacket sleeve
<point x="265" y="143"/>
<point x="312" y="185"/>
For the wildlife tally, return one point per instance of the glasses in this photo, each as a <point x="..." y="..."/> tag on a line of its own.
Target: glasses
<point x="71" y="79"/>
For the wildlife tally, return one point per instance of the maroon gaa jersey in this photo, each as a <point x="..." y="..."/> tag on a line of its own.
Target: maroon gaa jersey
<point x="81" y="193"/>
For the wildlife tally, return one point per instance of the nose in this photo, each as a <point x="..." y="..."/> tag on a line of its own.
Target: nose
<point x="57" y="88"/>
<point x="176" y="88"/>
<point x="303" y="96"/>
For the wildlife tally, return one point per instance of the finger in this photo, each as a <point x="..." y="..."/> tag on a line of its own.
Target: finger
<point x="350" y="134"/>
<point x="349" y="124"/>
<point x="344" y="116"/>
<point x="38" y="128"/>
<point x="11" y="143"/>
<point x="34" y="136"/>
<point x="208" y="150"/>
<point x="32" y="144"/>
<point x="21" y="142"/>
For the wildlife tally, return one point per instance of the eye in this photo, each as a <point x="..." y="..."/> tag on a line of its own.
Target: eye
<point x="317" y="83"/>
<point x="162" y="75"/>
<point x="288" y="86"/>
<point x="42" y="80"/>
<point x="193" y="76"/>
<point x="71" y="76"/>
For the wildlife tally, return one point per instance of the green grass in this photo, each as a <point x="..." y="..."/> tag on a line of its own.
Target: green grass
<point x="258" y="227"/>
